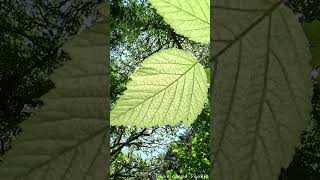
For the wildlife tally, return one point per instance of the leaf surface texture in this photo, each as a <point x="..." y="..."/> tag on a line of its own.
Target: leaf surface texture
<point x="171" y="86"/>
<point x="65" y="139"/>
<point x="189" y="18"/>
<point x="261" y="88"/>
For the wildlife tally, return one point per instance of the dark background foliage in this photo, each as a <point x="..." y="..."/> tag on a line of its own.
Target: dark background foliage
<point x="306" y="161"/>
<point x="31" y="36"/>
<point x="307" y="10"/>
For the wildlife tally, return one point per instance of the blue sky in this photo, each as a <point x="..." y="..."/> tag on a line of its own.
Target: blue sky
<point x="159" y="151"/>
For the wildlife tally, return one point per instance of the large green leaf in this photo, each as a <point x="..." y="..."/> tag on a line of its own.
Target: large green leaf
<point x="170" y="87"/>
<point x="261" y="88"/>
<point x="312" y="31"/>
<point x="66" y="138"/>
<point x="190" y="18"/>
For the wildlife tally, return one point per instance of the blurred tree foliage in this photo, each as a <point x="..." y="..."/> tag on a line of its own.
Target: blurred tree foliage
<point x="31" y="36"/>
<point x="306" y="161"/>
<point x="190" y="155"/>
<point x="307" y="10"/>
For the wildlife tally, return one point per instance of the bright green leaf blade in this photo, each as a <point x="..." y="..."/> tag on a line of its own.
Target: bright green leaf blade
<point x="261" y="89"/>
<point x="66" y="138"/>
<point x="189" y="18"/>
<point x="312" y="31"/>
<point x="170" y="87"/>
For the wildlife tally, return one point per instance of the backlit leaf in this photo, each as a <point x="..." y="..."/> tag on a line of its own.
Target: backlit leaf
<point x="170" y="87"/>
<point x="190" y="18"/>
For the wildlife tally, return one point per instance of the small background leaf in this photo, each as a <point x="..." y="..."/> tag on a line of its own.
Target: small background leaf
<point x="189" y="18"/>
<point x="312" y="31"/>
<point x="170" y="87"/>
<point x="66" y="138"/>
<point x="208" y="74"/>
<point x="261" y="90"/>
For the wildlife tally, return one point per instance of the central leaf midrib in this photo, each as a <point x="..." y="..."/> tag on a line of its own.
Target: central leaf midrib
<point x="248" y="29"/>
<point x="158" y="91"/>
